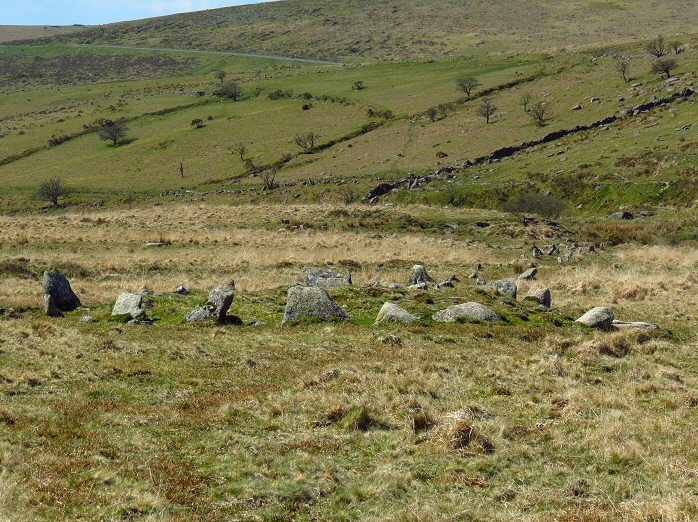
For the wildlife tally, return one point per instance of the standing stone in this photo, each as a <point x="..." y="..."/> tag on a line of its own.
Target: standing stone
<point x="310" y="302"/>
<point x="58" y="295"/>
<point x="505" y="288"/>
<point x="392" y="313"/>
<point x="528" y="274"/>
<point x="466" y="311"/>
<point x="540" y="295"/>
<point x="324" y="277"/>
<point x="599" y="317"/>
<point x="420" y="277"/>
<point x="220" y="299"/>
<point x="129" y="306"/>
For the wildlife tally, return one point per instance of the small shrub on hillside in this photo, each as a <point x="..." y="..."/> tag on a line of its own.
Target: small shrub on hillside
<point x="230" y="90"/>
<point x="278" y="94"/>
<point x="546" y="206"/>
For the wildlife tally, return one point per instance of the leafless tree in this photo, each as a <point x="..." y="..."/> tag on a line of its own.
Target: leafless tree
<point x="269" y="178"/>
<point x="114" y="131"/>
<point x="432" y="113"/>
<point x="467" y="85"/>
<point x="676" y="48"/>
<point x="221" y="75"/>
<point x="538" y="113"/>
<point x="486" y="109"/>
<point x="306" y="141"/>
<point x="657" y="47"/>
<point x="623" y="67"/>
<point x="525" y="101"/>
<point x="241" y="149"/>
<point x="664" y="66"/>
<point x="52" y="190"/>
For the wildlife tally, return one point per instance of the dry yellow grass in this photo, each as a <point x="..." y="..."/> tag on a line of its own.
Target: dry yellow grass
<point x="106" y="252"/>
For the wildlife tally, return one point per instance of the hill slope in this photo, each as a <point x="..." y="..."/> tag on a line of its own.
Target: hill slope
<point x="379" y="29"/>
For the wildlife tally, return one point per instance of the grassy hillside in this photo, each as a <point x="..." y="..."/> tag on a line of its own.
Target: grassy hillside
<point x="381" y="132"/>
<point x="360" y="30"/>
<point x="534" y="418"/>
<point x="9" y="33"/>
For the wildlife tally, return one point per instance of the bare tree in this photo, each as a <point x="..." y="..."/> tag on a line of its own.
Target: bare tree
<point x="664" y="66"/>
<point x="676" y="48"/>
<point x="487" y="109"/>
<point x="230" y="90"/>
<point x="52" y="190"/>
<point x="657" y="47"/>
<point x="114" y="131"/>
<point x="623" y="67"/>
<point x="432" y="113"/>
<point x="241" y="149"/>
<point x="538" y="113"/>
<point x="306" y="141"/>
<point x="221" y="75"/>
<point x="467" y="85"/>
<point x="525" y="101"/>
<point x="269" y="178"/>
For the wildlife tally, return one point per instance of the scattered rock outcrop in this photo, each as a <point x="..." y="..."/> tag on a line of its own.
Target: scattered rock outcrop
<point x="129" y="306"/>
<point x="58" y="295"/>
<point x="599" y="317"/>
<point x="392" y="313"/>
<point x="475" y="311"/>
<point x="324" y="277"/>
<point x="504" y="288"/>
<point x="219" y="302"/>
<point x="528" y="274"/>
<point x="311" y="302"/>
<point x="540" y="295"/>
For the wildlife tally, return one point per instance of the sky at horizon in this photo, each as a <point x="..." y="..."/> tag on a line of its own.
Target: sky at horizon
<point x="93" y="12"/>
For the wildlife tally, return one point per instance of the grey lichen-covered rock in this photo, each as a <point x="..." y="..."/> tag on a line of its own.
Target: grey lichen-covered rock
<point x="622" y="215"/>
<point x="528" y="274"/>
<point x="129" y="306"/>
<point x="599" y="317"/>
<point x="474" y="311"/>
<point x="540" y="295"/>
<point x="637" y="325"/>
<point x="324" y="277"/>
<point x="505" y="288"/>
<point x="182" y="290"/>
<point x="58" y="295"/>
<point x="392" y="313"/>
<point x="311" y="302"/>
<point x="420" y="276"/>
<point x="220" y="299"/>
<point x="88" y="319"/>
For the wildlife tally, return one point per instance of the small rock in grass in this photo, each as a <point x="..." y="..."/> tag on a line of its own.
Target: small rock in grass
<point x="528" y="274"/>
<point x="129" y="305"/>
<point x="324" y="277"/>
<point x="308" y="302"/>
<point x="392" y="313"/>
<point x="474" y="311"/>
<point x="599" y="317"/>
<point x="540" y="295"/>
